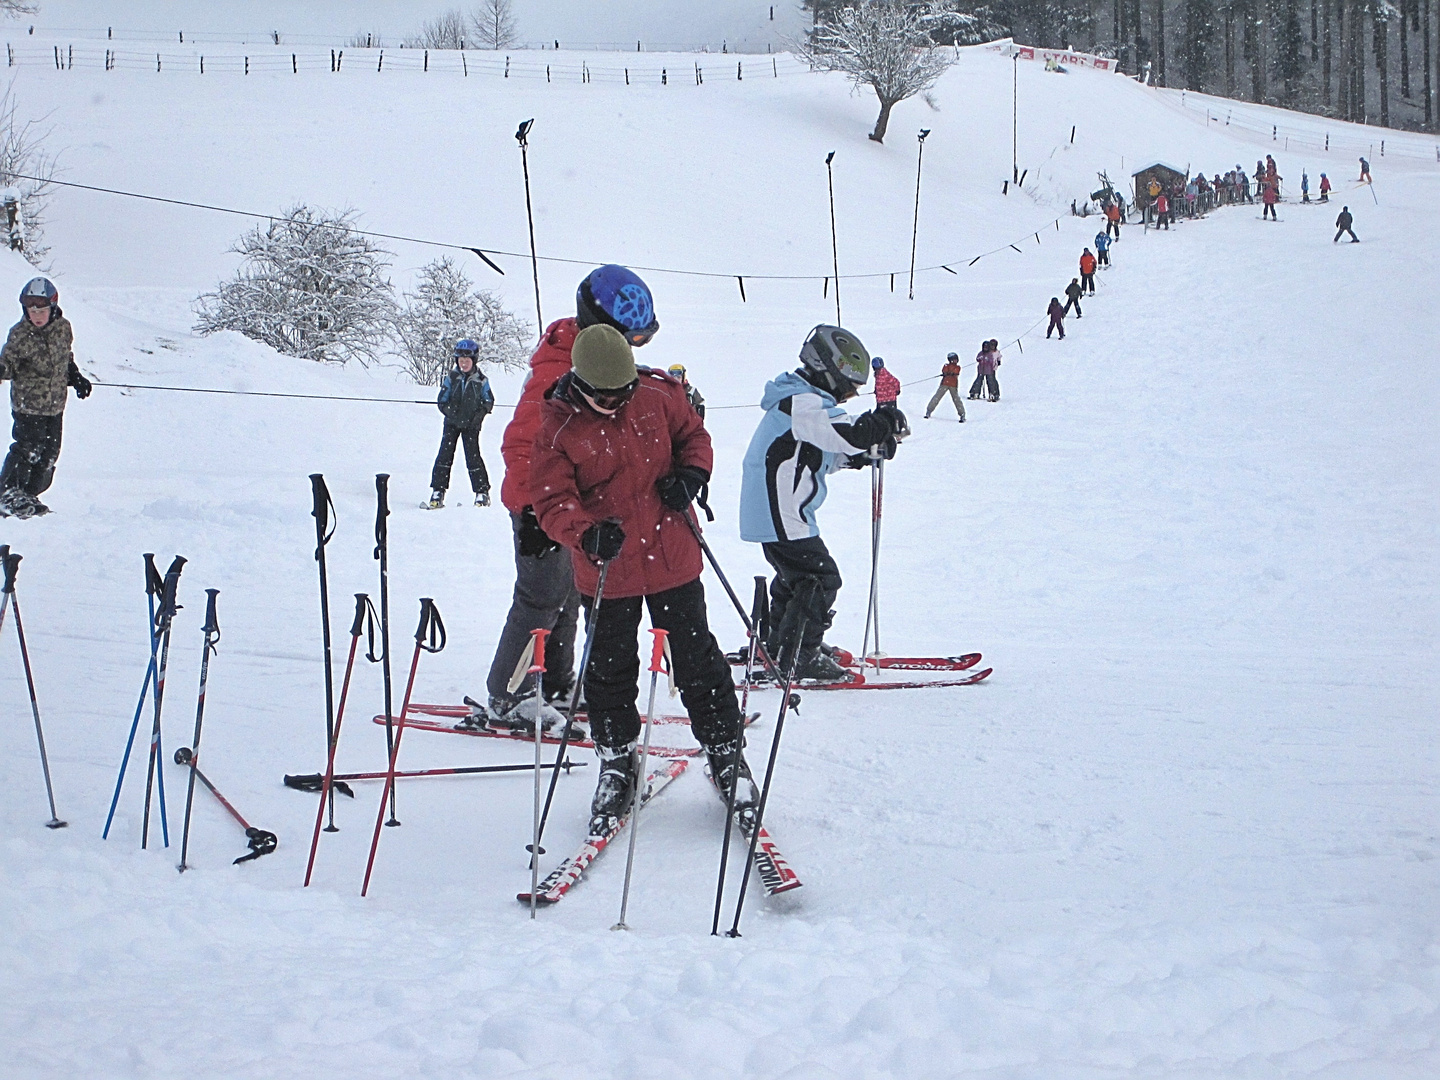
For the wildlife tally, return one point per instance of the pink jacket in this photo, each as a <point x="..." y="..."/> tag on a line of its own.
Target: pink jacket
<point x="887" y="387"/>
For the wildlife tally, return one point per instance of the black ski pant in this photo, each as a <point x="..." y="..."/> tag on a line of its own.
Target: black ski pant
<point x="1087" y="281"/>
<point x="1104" y="257"/>
<point x="702" y="674"/>
<point x="545" y="598"/>
<point x="470" y="439"/>
<point x="1074" y="302"/>
<point x="1338" y="233"/>
<point x="1056" y="324"/>
<point x="983" y="380"/>
<point x="794" y="561"/>
<point x="1269" y="212"/>
<point x="1112" y="228"/>
<point x="30" y="465"/>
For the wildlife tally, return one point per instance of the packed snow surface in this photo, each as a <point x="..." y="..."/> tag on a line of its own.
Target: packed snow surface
<point x="1188" y="827"/>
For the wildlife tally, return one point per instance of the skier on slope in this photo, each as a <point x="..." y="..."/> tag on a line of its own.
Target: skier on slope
<point x="986" y="361"/>
<point x="1112" y="219"/>
<point x="887" y="389"/>
<point x="545" y="596"/>
<point x="39" y="361"/>
<point x="1073" y="293"/>
<point x="803" y="437"/>
<point x="1343" y="225"/>
<point x="1102" y="249"/>
<point x="1304" y="186"/>
<point x="1057" y="317"/>
<point x="1087" y="271"/>
<point x="1270" y="196"/>
<point x="697" y="400"/>
<point x="949" y="384"/>
<point x="1365" y="172"/>
<point x="618" y="458"/>
<point x="465" y="399"/>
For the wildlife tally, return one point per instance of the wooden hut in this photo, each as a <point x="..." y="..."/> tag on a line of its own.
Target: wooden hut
<point x="1170" y="178"/>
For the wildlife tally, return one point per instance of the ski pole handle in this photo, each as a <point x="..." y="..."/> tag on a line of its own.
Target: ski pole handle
<point x="212" y="619"/>
<point x="430" y="627"/>
<point x="382" y="510"/>
<point x="154" y="583"/>
<point x="537" y="661"/>
<point x="760" y="605"/>
<point x="362" y="601"/>
<point x="657" y="652"/>
<point x="168" y="605"/>
<point x="12" y="567"/>
<point x="324" y="509"/>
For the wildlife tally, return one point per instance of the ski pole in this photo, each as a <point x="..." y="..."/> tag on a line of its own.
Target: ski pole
<point x="429" y="637"/>
<point x="574" y="704"/>
<point x="323" y="512"/>
<point x="658" y="657"/>
<point x="792" y="660"/>
<point x="877" y="498"/>
<point x="364" y="621"/>
<point x="211" y="630"/>
<point x="316" y="781"/>
<point x="537" y="669"/>
<point x="154" y="584"/>
<point x="261" y="841"/>
<point x="12" y="567"/>
<point x="758" y="615"/>
<point x="382" y="552"/>
<point x="156" y="776"/>
<point x="770" y="666"/>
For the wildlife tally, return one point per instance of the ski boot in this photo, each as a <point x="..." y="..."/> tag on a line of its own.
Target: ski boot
<point x="615" y="788"/>
<point x="512" y="714"/>
<point x="437" y="500"/>
<point x="17" y="502"/>
<point x="815" y="665"/>
<point x="482" y="498"/>
<point x="720" y="764"/>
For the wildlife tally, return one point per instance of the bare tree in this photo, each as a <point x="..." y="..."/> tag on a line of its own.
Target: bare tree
<point x="494" y="24"/>
<point x="445" y="307"/>
<point x="15" y="8"/>
<point x="310" y="286"/>
<point x="25" y="172"/>
<point x="365" y="39"/>
<point x="882" y="44"/>
<point x="445" y="31"/>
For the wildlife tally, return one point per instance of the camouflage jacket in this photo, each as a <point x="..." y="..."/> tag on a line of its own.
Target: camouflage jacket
<point x="38" y="361"/>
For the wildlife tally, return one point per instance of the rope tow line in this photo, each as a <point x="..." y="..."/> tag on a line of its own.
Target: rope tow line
<point x="485" y="253"/>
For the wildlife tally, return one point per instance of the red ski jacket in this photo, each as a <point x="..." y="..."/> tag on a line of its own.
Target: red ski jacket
<point x="550" y="361"/>
<point x="587" y="467"/>
<point x="1087" y="263"/>
<point x="887" y="387"/>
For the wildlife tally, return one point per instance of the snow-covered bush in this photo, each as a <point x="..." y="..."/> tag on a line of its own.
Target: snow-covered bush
<point x="882" y="44"/>
<point x="23" y="155"/>
<point x="310" y="286"/>
<point x="446" y="307"/>
<point x="445" y="31"/>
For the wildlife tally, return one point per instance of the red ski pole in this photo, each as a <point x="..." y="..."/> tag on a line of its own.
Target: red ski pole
<point x="364" y="618"/>
<point x="432" y="628"/>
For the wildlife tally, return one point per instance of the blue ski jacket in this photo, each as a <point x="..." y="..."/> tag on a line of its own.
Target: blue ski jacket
<point x="465" y="399"/>
<point x="802" y="438"/>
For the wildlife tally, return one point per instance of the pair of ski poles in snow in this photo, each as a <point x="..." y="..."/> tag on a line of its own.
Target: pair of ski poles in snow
<point x="11" y="566"/>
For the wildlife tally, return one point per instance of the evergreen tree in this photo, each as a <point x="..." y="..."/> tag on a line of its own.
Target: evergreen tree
<point x="1194" y="53"/>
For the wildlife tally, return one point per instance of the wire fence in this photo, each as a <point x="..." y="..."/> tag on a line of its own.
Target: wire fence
<point x="649" y="68"/>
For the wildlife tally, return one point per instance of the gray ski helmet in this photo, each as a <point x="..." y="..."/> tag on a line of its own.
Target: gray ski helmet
<point x="838" y="354"/>
<point x="39" y="288"/>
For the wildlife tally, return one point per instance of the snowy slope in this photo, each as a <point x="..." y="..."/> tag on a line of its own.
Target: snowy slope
<point x="1185" y="830"/>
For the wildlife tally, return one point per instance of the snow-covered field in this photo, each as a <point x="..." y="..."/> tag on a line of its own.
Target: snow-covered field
<point x="1186" y="828"/>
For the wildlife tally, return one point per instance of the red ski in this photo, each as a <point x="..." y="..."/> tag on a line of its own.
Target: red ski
<point x="909" y="663"/>
<point x="559" y="881"/>
<point x="770" y="866"/>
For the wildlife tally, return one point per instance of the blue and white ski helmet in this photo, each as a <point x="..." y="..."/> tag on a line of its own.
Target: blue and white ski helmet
<point x="468" y="347"/>
<point x="617" y="297"/>
<point x="39" y="291"/>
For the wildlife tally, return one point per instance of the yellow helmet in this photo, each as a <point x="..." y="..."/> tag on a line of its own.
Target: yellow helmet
<point x="678" y="370"/>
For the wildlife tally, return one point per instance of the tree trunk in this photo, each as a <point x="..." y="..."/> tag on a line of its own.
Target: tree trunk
<point x="1314" y="31"/>
<point x="1229" y="51"/>
<point x="883" y="121"/>
<point x="1429" y="111"/>
<point x="1325" y="55"/>
<point x="1382" y="60"/>
<point x="1342" y="69"/>
<point x="1160" y="38"/>
<point x="1404" y="48"/>
<point x="1357" y="61"/>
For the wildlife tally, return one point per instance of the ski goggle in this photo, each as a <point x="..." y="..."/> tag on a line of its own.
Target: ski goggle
<point x="37" y="301"/>
<point x="642" y="337"/>
<point x="606" y="399"/>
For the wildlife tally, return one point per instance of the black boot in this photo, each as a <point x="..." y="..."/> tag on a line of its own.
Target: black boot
<point x="817" y="665"/>
<point x="721" y="759"/>
<point x="614" y="789"/>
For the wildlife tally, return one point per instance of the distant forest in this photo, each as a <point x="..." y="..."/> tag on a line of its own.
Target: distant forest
<point x="1371" y="61"/>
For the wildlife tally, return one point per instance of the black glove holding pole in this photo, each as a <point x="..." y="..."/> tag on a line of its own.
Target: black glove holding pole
<point x="532" y="539"/>
<point x="603" y="540"/>
<point x="679" y="489"/>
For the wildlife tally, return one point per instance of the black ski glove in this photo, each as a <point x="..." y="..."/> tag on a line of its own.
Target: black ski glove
<point x="603" y="540"/>
<point x="532" y="540"/>
<point x="79" y="382"/>
<point x="872" y="428"/>
<point x="679" y="488"/>
<point x="892" y="413"/>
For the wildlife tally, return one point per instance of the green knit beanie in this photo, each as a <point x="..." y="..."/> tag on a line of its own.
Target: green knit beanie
<point x="603" y="358"/>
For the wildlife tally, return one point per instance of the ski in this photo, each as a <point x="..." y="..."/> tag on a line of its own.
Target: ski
<point x="774" y="872"/>
<point x="418" y="724"/>
<point x="559" y="881"/>
<point x="857" y="681"/>
<point x="846" y="658"/>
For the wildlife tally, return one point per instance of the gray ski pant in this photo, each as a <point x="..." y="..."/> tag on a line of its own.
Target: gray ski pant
<point x="940" y="392"/>
<point x="545" y="598"/>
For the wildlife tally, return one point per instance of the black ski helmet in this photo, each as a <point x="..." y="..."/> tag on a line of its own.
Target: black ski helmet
<point x="835" y="360"/>
<point x="39" y="289"/>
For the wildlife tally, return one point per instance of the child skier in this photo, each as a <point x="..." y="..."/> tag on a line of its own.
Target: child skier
<point x="619" y="456"/>
<point x="1112" y="220"/>
<point x="985" y="364"/>
<point x="1057" y="317"/>
<point x="696" y="399"/>
<point x="1304" y="186"/>
<point x="466" y="399"/>
<point x="887" y="389"/>
<point x="1087" y="272"/>
<point x="38" y="360"/>
<point x="1073" y="292"/>
<point x="949" y="384"/>
<point x="1102" y="248"/>
<point x="1343" y="225"/>
<point x="803" y="437"/>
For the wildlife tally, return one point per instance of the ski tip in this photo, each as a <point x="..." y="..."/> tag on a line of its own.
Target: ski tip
<point x="540" y="901"/>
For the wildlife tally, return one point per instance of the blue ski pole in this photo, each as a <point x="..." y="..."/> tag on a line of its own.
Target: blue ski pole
<point x="164" y="618"/>
<point x="153" y="584"/>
